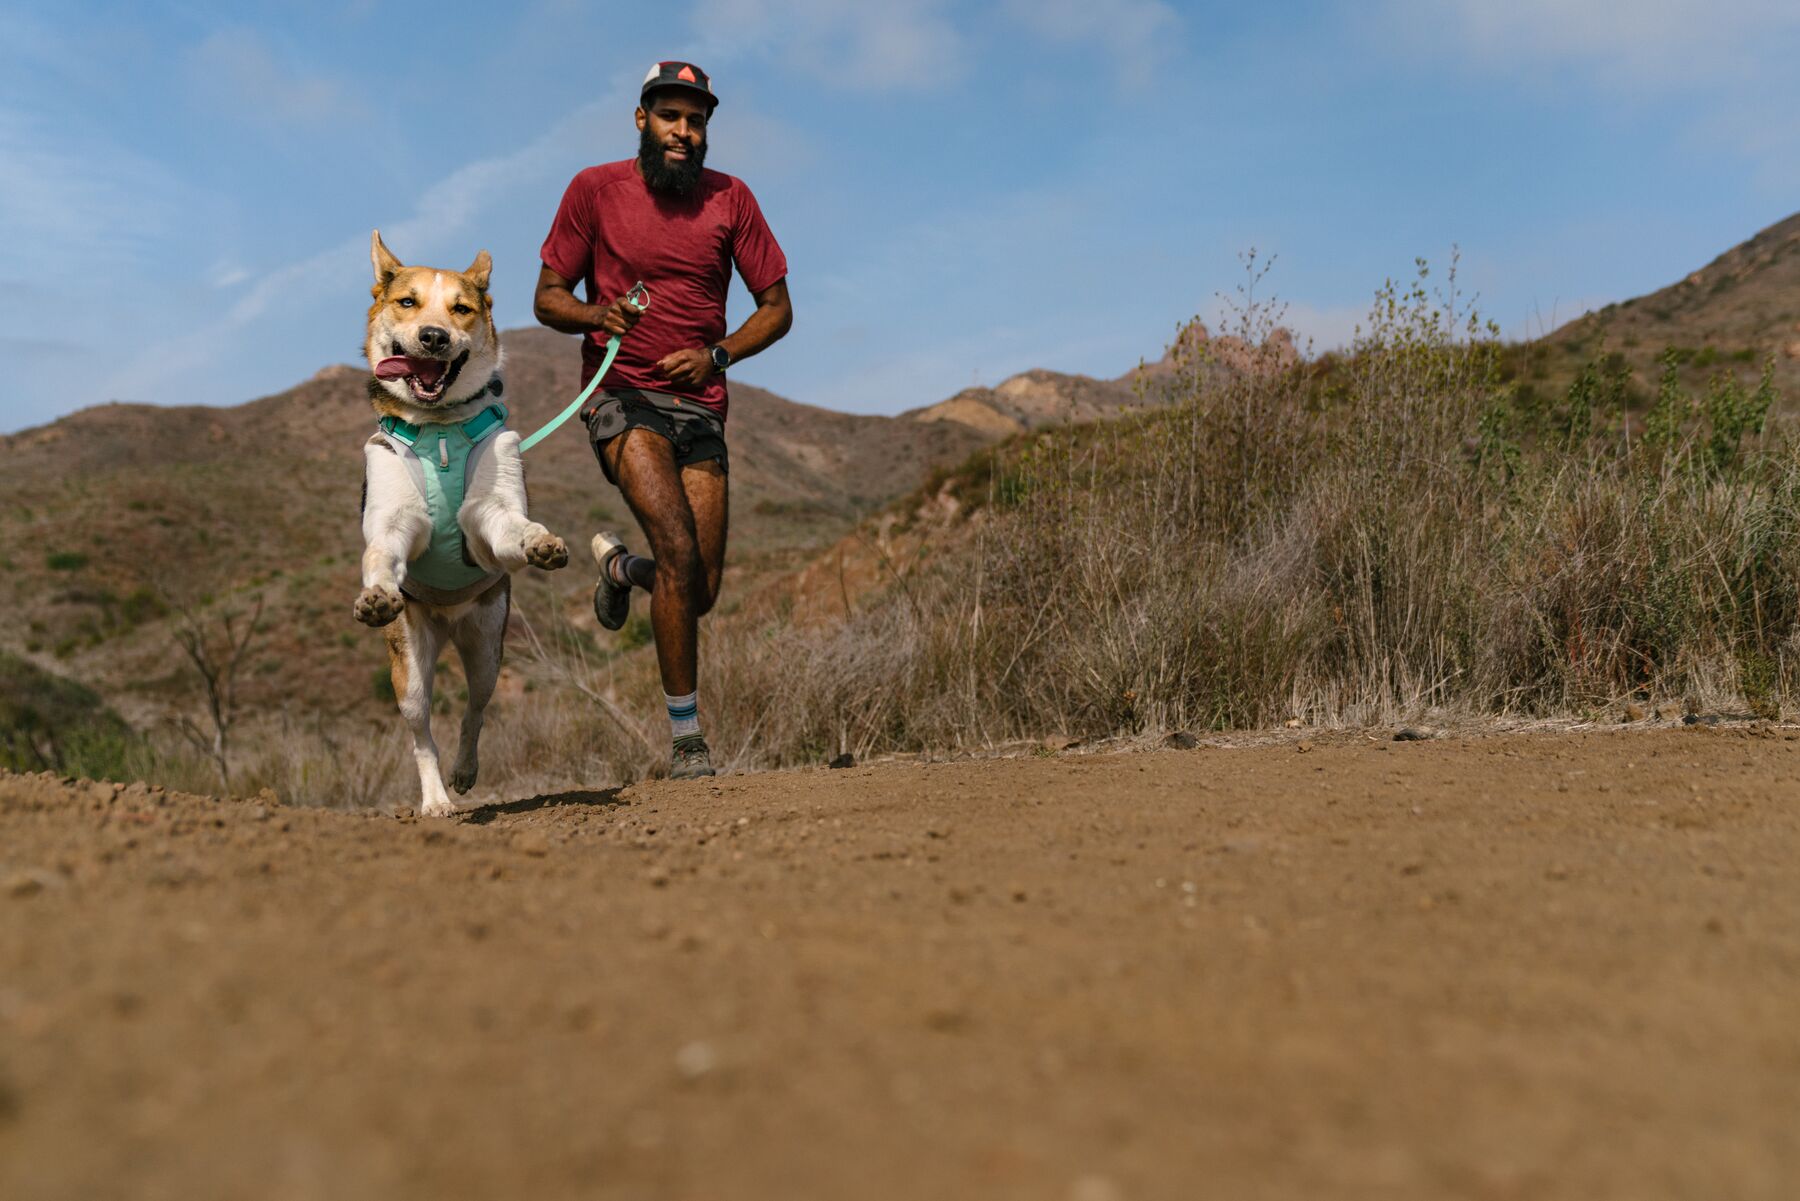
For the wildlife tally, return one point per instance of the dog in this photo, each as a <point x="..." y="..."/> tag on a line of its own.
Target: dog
<point x="444" y="511"/>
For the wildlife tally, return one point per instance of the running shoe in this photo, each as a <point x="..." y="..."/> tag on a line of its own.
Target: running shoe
<point x="689" y="760"/>
<point x="612" y="602"/>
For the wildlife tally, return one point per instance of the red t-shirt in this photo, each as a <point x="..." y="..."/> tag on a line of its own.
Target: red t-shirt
<point x="612" y="230"/>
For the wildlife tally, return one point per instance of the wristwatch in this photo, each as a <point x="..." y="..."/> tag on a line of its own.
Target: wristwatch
<point x="721" y="358"/>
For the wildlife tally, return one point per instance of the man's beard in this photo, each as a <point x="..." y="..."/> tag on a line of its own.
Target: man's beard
<point x="677" y="178"/>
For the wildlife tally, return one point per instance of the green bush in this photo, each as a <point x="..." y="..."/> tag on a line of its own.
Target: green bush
<point x="48" y="723"/>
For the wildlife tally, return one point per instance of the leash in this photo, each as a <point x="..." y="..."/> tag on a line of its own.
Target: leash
<point x="639" y="299"/>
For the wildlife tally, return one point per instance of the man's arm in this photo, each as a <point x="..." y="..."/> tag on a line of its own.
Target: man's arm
<point x="556" y="306"/>
<point x="773" y="317"/>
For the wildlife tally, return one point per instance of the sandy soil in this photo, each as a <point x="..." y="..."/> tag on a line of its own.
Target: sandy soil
<point x="1516" y="967"/>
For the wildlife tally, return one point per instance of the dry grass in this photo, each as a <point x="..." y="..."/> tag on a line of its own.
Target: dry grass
<point x="1352" y="542"/>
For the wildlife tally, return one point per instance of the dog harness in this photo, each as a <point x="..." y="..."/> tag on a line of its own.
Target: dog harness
<point x="439" y="458"/>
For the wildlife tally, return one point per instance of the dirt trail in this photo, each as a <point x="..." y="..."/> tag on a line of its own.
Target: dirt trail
<point x="1516" y="967"/>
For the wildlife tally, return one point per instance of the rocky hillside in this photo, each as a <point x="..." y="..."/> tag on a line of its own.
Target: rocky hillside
<point x="1732" y="314"/>
<point x="1034" y="399"/>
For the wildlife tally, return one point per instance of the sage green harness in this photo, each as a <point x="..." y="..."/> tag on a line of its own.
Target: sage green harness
<point x="439" y="458"/>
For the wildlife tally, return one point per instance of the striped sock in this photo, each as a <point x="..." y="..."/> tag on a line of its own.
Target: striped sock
<point x="684" y="714"/>
<point x="632" y="570"/>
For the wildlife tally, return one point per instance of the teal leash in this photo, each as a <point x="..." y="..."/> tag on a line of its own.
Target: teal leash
<point x="639" y="299"/>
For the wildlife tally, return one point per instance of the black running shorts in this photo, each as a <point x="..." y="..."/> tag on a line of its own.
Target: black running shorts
<point x="695" y="431"/>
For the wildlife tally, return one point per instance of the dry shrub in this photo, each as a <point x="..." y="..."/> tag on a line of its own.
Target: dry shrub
<point x="1358" y="540"/>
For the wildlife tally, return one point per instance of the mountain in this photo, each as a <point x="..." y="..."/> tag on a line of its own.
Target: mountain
<point x="1034" y="399"/>
<point x="1732" y="314"/>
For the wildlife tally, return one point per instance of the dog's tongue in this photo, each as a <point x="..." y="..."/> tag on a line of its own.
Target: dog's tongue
<point x="426" y="371"/>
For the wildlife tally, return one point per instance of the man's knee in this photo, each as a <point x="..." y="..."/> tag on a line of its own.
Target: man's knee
<point x="678" y="563"/>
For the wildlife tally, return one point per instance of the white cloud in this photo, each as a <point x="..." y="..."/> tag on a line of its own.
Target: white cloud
<point x="1627" y="39"/>
<point x="437" y="228"/>
<point x="899" y="45"/>
<point x="1136" y="34"/>
<point x="1726" y="65"/>
<point x="236" y="69"/>
<point x="228" y="274"/>
<point x="70" y="206"/>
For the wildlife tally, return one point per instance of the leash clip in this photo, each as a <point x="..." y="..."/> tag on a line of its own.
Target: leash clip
<point x="638" y="297"/>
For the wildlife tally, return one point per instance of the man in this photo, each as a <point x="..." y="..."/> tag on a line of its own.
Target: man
<point x="658" y="423"/>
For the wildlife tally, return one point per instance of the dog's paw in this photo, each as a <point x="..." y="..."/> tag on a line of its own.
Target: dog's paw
<point x="462" y="776"/>
<point x="545" y="550"/>
<point x="379" y="605"/>
<point x="438" y="806"/>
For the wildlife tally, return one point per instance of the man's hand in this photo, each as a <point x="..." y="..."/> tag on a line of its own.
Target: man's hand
<point x="556" y="306"/>
<point x="686" y="366"/>
<point x="618" y="317"/>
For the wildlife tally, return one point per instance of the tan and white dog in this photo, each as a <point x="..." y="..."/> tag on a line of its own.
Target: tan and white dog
<point x="444" y="513"/>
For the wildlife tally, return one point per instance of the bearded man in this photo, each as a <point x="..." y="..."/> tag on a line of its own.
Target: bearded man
<point x="658" y="423"/>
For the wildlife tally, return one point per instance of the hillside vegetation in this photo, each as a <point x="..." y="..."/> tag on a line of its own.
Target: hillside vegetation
<point x="1735" y="314"/>
<point x="1402" y="529"/>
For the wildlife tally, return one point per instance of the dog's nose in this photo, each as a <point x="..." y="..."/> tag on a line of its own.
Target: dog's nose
<point x="434" y="340"/>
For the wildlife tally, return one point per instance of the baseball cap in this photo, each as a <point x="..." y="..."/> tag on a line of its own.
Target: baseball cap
<point x="674" y="74"/>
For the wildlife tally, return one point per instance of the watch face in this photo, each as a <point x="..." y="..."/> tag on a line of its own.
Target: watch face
<point x="721" y="358"/>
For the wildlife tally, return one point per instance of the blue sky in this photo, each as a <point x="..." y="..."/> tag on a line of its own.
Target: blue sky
<point x="964" y="190"/>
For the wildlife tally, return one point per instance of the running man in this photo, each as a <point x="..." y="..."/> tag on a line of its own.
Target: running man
<point x="658" y="423"/>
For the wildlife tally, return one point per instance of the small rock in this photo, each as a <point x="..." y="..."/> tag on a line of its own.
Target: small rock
<point x="1303" y="746"/>
<point x="1060" y="742"/>
<point x="658" y="876"/>
<point x="1668" y="712"/>
<point x="533" y="843"/>
<point x="842" y="761"/>
<point x="1695" y="719"/>
<point x="695" y="1060"/>
<point x="1181" y="740"/>
<point x="1411" y="734"/>
<point x="30" y="882"/>
<point x="1633" y="712"/>
<point x="1293" y="723"/>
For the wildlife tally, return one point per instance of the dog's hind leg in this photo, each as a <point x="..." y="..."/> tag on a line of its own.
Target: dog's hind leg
<point x="413" y="645"/>
<point x="479" y="638"/>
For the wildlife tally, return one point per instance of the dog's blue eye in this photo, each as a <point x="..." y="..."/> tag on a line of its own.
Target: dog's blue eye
<point x="407" y="302"/>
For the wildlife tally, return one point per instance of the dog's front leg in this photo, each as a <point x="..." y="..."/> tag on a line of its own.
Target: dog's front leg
<point x="396" y="529"/>
<point x="493" y="517"/>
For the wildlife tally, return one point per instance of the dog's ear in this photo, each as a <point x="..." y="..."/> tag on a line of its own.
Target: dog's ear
<point x="385" y="264"/>
<point x="480" y="270"/>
